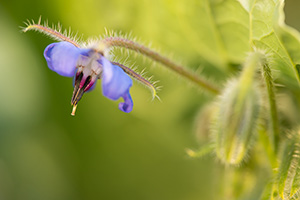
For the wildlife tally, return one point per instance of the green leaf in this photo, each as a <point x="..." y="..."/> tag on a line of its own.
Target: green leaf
<point x="232" y="29"/>
<point x="266" y="16"/>
<point x="289" y="37"/>
<point x="220" y="31"/>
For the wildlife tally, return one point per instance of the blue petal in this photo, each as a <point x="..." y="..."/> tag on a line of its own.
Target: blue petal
<point x="115" y="84"/>
<point x="62" y="57"/>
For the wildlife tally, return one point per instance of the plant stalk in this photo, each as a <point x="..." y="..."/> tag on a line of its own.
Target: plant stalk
<point x="182" y="71"/>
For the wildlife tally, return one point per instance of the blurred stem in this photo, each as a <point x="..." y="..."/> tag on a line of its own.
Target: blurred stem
<point x="265" y="140"/>
<point x="182" y="71"/>
<point x="267" y="75"/>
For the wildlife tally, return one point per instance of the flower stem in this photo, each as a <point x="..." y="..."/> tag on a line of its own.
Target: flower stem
<point x="267" y="75"/>
<point x="138" y="77"/>
<point x="264" y="139"/>
<point x="128" y="44"/>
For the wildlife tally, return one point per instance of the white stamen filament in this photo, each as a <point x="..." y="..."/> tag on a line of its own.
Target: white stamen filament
<point x="74" y="110"/>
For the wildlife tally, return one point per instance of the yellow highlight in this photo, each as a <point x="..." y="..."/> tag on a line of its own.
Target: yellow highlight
<point x="153" y="91"/>
<point x="30" y="27"/>
<point x="191" y="153"/>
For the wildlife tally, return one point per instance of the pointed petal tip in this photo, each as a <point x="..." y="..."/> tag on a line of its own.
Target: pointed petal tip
<point x="127" y="105"/>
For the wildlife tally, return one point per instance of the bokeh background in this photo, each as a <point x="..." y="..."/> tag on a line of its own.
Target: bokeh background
<point x="102" y="153"/>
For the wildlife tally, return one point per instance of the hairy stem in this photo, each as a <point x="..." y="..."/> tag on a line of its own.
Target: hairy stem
<point x="267" y="75"/>
<point x="182" y="71"/>
<point x="138" y="77"/>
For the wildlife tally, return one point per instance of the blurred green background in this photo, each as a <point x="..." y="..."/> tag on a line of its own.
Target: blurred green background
<point x="102" y="153"/>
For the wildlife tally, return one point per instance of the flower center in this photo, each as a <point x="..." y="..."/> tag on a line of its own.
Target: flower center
<point x="88" y="71"/>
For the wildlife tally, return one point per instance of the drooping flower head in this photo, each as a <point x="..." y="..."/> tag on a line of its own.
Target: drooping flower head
<point x="86" y="65"/>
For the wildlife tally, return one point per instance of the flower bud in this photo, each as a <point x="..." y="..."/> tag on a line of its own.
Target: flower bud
<point x="202" y="122"/>
<point x="235" y="122"/>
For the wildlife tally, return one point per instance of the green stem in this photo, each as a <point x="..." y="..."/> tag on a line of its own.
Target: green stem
<point x="128" y="44"/>
<point x="267" y="75"/>
<point x="268" y="147"/>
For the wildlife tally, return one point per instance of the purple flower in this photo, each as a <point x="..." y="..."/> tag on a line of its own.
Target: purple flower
<point x="86" y="66"/>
